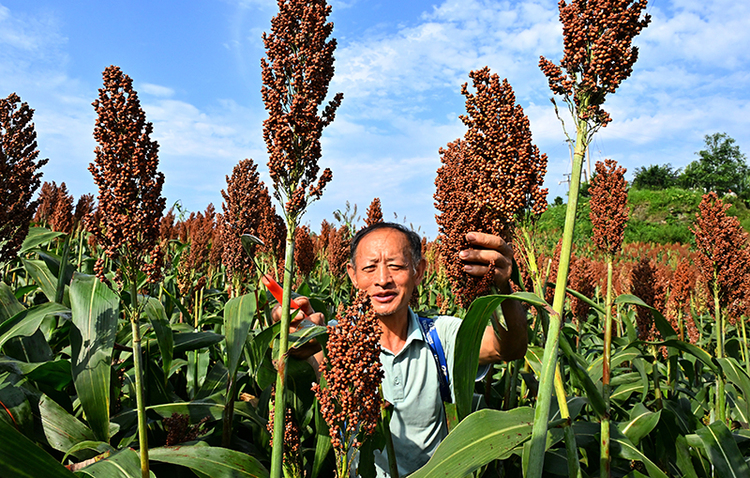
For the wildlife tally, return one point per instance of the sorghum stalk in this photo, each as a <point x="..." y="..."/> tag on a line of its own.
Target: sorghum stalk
<point x="296" y="72"/>
<point x="598" y="56"/>
<point x="604" y="457"/>
<point x="138" y="364"/>
<point x="609" y="215"/>
<point x="720" y="396"/>
<point x="277" y="453"/>
<point x="130" y="206"/>
<point x="549" y="360"/>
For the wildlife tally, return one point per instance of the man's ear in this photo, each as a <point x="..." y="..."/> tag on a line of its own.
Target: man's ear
<point x="420" y="271"/>
<point x="352" y="273"/>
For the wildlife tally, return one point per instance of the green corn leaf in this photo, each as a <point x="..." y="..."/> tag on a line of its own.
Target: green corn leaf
<point x="95" y="310"/>
<point x="213" y="461"/>
<point x="42" y="276"/>
<point x="238" y="317"/>
<point x="723" y="451"/>
<point x="123" y="464"/>
<point x="36" y="237"/>
<point x="642" y="421"/>
<point x="22" y="458"/>
<point x="188" y="341"/>
<point x="9" y="305"/>
<point x="27" y="321"/>
<point x="738" y="376"/>
<point x="481" y="437"/>
<point x="158" y="318"/>
<point x="63" y="430"/>
<point x="625" y="449"/>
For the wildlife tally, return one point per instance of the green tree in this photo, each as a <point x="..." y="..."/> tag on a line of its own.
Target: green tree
<point x="721" y="167"/>
<point x="655" y="176"/>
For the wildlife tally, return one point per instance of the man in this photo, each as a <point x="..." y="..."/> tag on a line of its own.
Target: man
<point x="386" y="262"/>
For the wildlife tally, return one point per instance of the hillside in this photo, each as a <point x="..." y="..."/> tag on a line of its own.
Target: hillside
<point x="662" y="217"/>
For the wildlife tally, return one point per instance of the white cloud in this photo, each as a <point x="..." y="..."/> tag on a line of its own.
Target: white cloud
<point x="156" y="90"/>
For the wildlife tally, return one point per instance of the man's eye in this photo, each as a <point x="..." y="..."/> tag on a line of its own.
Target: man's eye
<point x="368" y="268"/>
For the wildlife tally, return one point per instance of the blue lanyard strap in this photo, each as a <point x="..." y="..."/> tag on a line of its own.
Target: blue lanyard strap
<point x="433" y="340"/>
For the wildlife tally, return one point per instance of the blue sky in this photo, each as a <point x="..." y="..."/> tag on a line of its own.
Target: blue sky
<point x="196" y="66"/>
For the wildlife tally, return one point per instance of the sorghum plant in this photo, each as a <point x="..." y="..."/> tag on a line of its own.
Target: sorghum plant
<point x="296" y="72"/>
<point x="130" y="205"/>
<point x="374" y="213"/>
<point x="487" y="179"/>
<point x="192" y="270"/>
<point x="609" y="214"/>
<point x="598" y="56"/>
<point x="678" y="304"/>
<point x="349" y="399"/>
<point x="304" y="251"/>
<point x="246" y="203"/>
<point x="19" y="174"/>
<point x="722" y="259"/>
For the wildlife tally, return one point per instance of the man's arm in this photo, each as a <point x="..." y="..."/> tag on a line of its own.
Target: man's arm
<point x="508" y="343"/>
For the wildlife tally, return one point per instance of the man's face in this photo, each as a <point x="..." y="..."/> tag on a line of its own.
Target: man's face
<point x="383" y="268"/>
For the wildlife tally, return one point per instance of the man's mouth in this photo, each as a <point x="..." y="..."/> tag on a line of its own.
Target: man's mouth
<point x="383" y="297"/>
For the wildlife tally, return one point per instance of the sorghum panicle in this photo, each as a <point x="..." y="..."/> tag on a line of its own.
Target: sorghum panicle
<point x="304" y="251"/>
<point x="296" y="72"/>
<point x="19" y="174"/>
<point x="723" y="255"/>
<point x="130" y="204"/>
<point x="681" y="288"/>
<point x="84" y="207"/>
<point x="338" y="250"/>
<point x="350" y="402"/>
<point x="609" y="206"/>
<point x="487" y="179"/>
<point x="598" y="52"/>
<point x="246" y="202"/>
<point x="374" y="213"/>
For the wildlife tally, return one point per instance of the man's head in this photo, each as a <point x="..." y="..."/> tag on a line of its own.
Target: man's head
<point x="386" y="261"/>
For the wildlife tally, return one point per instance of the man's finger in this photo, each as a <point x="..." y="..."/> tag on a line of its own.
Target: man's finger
<point x="489" y="241"/>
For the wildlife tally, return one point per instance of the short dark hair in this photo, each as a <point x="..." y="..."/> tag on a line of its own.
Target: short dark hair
<point x="415" y="242"/>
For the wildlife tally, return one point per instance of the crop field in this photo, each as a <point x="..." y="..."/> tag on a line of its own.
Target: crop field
<point x="140" y="340"/>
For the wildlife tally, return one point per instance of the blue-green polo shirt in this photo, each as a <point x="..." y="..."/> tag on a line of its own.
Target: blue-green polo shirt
<point x="411" y="384"/>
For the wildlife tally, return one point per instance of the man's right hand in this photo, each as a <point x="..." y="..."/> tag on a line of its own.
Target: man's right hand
<point x="299" y="321"/>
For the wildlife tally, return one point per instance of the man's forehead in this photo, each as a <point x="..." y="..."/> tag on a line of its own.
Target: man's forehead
<point x="390" y="243"/>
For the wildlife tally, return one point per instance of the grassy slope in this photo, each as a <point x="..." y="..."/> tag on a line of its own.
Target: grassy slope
<point x="655" y="216"/>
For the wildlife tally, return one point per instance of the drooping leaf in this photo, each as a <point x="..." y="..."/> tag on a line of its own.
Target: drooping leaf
<point x="187" y="341"/>
<point x="27" y="321"/>
<point x="723" y="452"/>
<point x="215" y="382"/>
<point x="213" y="461"/>
<point x="36" y="237"/>
<point x="158" y="318"/>
<point x="9" y="305"/>
<point x="124" y="464"/>
<point x="481" y="437"/>
<point x="95" y="309"/>
<point x="42" y="276"/>
<point x="621" y="446"/>
<point x="642" y="421"/>
<point x="22" y="458"/>
<point x="63" y="430"/>
<point x="739" y="377"/>
<point x="468" y="342"/>
<point x="238" y="317"/>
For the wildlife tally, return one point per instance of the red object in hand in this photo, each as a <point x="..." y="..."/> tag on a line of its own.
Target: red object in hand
<point x="275" y="289"/>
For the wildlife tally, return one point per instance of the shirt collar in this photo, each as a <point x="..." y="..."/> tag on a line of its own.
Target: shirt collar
<point x="414" y="331"/>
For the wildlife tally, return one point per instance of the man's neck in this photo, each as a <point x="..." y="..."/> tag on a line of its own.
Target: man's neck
<point x="395" y="330"/>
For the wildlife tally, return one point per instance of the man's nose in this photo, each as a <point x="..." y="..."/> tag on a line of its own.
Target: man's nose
<point x="383" y="275"/>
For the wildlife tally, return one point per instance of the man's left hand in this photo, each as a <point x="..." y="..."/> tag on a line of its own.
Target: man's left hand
<point x="489" y="249"/>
